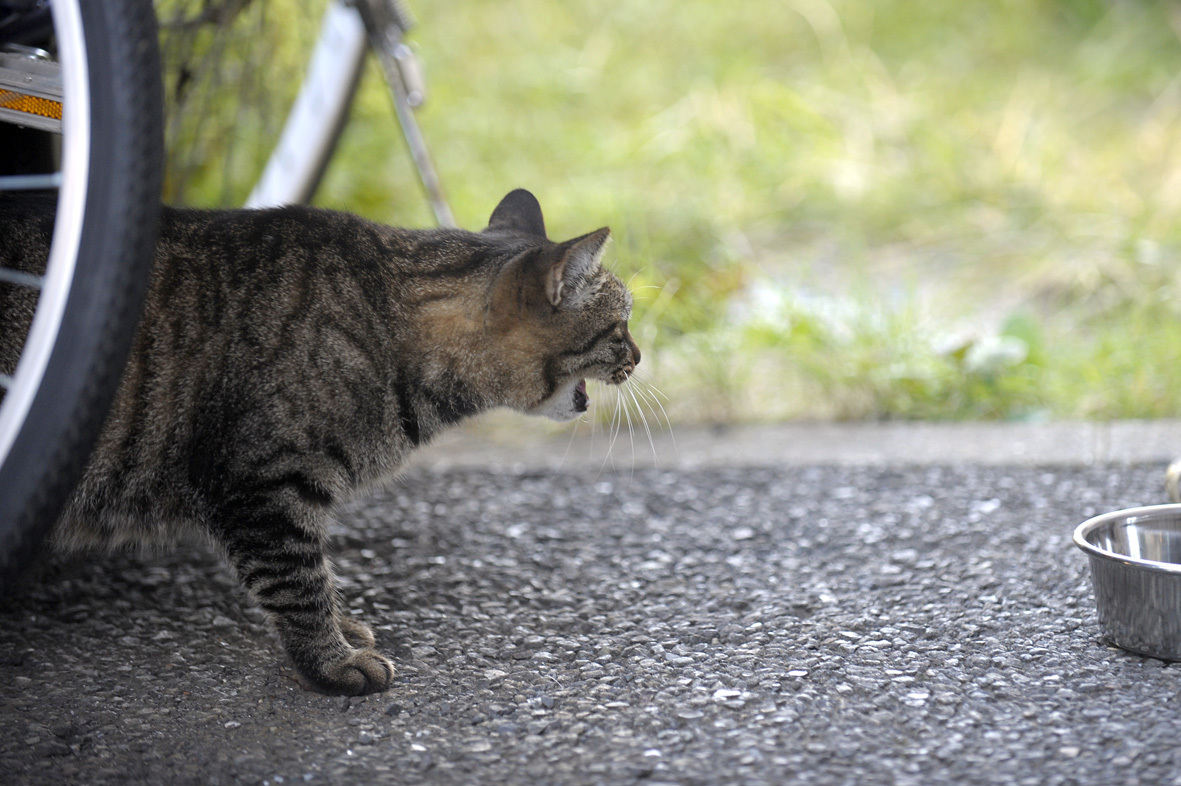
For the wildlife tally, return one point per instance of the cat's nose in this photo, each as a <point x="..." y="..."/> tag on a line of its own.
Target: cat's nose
<point x="635" y="351"/>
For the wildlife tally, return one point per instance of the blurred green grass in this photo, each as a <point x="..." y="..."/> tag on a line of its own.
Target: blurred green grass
<point x="831" y="209"/>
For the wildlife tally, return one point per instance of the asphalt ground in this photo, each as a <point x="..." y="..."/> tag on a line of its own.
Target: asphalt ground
<point x="904" y="612"/>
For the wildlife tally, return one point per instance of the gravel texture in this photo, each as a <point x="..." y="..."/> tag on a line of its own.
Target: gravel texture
<point x="818" y="625"/>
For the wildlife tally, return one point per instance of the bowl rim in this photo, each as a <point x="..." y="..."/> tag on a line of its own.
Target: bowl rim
<point x="1146" y="511"/>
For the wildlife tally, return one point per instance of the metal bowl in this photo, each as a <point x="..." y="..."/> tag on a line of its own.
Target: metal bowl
<point x="1136" y="571"/>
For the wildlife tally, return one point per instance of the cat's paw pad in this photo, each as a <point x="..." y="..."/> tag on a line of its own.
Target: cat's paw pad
<point x="363" y="671"/>
<point x="357" y="633"/>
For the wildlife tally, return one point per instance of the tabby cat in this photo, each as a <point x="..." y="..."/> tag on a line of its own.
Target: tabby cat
<point x="289" y="358"/>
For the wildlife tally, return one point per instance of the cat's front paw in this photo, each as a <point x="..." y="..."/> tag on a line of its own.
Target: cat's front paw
<point x="362" y="671"/>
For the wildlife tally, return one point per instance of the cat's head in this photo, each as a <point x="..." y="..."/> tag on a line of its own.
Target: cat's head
<point x="558" y="313"/>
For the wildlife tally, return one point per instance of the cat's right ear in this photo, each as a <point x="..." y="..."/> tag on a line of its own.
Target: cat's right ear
<point x="518" y="212"/>
<point x="567" y="278"/>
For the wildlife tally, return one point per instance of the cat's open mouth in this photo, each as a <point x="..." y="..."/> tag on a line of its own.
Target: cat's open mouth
<point x="581" y="399"/>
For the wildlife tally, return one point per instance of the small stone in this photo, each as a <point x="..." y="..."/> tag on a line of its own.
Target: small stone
<point x="53" y="748"/>
<point x="233" y="724"/>
<point x="65" y="730"/>
<point x="916" y="698"/>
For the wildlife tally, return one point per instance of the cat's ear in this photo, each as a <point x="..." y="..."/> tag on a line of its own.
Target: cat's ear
<point x="567" y="278"/>
<point x="519" y="212"/>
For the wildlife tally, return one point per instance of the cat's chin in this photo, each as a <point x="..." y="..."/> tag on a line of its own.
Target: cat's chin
<point x="568" y="402"/>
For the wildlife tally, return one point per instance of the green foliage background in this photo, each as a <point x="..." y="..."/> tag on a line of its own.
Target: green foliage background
<point x="830" y="208"/>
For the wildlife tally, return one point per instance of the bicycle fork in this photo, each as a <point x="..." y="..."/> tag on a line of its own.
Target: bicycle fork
<point x="294" y="169"/>
<point x="386" y="23"/>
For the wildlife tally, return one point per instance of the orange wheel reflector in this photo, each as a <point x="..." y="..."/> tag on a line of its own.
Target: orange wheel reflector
<point x="31" y="105"/>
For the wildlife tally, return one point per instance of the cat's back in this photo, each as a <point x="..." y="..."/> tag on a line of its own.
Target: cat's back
<point x="259" y="328"/>
<point x="275" y="246"/>
<point x="259" y="285"/>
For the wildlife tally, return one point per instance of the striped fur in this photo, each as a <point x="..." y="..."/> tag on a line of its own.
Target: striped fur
<point x="289" y="358"/>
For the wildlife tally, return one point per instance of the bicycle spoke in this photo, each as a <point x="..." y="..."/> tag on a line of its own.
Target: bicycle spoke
<point x="30" y="182"/>
<point x="20" y="278"/>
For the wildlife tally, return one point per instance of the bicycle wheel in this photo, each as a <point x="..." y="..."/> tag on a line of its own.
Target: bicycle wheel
<point x="84" y="304"/>
<point x="230" y="75"/>
<point x="251" y="119"/>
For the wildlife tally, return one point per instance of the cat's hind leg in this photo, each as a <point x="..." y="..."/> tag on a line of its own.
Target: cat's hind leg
<point x="274" y="539"/>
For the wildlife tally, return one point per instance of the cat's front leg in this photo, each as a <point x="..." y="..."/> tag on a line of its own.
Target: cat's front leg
<point x="276" y="545"/>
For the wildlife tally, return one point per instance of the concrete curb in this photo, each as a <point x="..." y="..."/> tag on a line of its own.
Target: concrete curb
<point x="524" y="448"/>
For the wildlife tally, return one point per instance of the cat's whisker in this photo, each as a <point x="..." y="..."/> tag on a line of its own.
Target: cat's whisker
<point x="621" y="405"/>
<point x="653" y="395"/>
<point x="653" y="404"/>
<point x="598" y="425"/>
<point x="644" y="421"/>
<point x="631" y="430"/>
<point x="631" y="433"/>
<point x="592" y="422"/>
<point x="644" y="378"/>
<point x="574" y="433"/>
<point x="613" y="427"/>
<point x="647" y="393"/>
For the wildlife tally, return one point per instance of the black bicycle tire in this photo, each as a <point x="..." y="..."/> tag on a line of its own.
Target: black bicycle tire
<point x="117" y="244"/>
